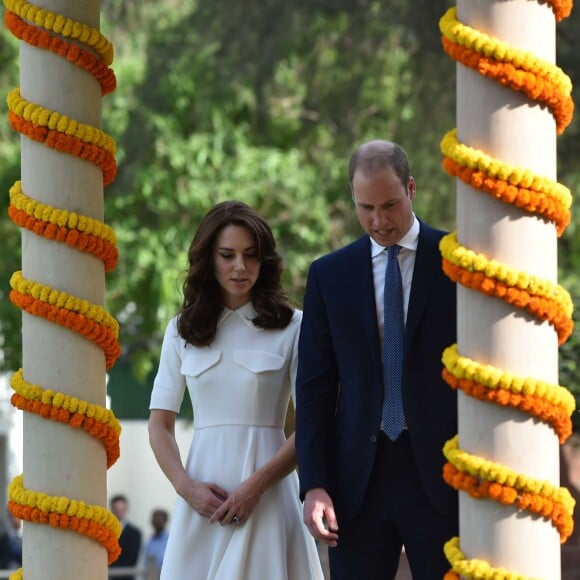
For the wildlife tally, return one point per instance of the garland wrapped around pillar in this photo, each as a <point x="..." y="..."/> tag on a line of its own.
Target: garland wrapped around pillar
<point x="512" y="102"/>
<point x="66" y="162"/>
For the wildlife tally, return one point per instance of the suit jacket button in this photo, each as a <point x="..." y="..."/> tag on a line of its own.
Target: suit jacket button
<point x="373" y="438"/>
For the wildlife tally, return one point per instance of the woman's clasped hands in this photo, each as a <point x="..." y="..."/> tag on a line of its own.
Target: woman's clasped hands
<point x="204" y="498"/>
<point x="239" y="505"/>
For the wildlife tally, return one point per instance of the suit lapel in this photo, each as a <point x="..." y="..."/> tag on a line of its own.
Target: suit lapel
<point x="427" y="262"/>
<point x="363" y="286"/>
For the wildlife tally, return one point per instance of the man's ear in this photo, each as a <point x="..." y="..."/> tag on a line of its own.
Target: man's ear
<point x="411" y="187"/>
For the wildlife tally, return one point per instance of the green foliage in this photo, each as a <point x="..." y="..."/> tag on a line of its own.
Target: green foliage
<point x="261" y="102"/>
<point x="263" y="105"/>
<point x="570" y="351"/>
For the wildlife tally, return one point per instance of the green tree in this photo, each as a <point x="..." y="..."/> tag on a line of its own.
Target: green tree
<point x="262" y="102"/>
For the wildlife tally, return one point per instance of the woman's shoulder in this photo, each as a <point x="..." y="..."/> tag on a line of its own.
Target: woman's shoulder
<point x="296" y="316"/>
<point x="172" y="324"/>
<point x="293" y="325"/>
<point x="171" y="330"/>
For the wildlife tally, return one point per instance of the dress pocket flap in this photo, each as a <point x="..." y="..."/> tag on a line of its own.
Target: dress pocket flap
<point x="197" y="362"/>
<point x="259" y="361"/>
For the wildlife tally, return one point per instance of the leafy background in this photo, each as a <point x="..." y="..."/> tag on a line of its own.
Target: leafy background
<point x="263" y="102"/>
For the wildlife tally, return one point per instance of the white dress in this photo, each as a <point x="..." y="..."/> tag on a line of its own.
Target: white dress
<point x="240" y="388"/>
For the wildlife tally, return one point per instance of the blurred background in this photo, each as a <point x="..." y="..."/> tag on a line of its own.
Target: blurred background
<point x="262" y="102"/>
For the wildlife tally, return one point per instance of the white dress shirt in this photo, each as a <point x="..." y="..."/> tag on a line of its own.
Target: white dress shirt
<point x="407" y="255"/>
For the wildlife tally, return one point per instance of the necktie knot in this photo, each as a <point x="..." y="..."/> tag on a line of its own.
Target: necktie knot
<point x="393" y="251"/>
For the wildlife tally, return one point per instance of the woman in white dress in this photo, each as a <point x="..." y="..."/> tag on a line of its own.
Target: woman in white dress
<point x="234" y="347"/>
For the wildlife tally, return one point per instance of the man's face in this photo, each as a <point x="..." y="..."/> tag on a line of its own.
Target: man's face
<point x="383" y="204"/>
<point x="158" y="520"/>
<point x="119" y="508"/>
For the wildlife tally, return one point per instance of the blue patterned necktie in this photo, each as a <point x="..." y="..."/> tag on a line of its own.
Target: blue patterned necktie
<point x="393" y="416"/>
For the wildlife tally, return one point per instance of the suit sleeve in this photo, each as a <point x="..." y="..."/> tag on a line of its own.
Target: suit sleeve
<point x="316" y="390"/>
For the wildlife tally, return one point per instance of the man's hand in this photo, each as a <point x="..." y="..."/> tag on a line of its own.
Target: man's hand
<point x="319" y="516"/>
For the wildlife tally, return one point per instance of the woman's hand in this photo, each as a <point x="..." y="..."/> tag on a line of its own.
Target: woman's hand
<point x="238" y="507"/>
<point x="240" y="504"/>
<point x="204" y="498"/>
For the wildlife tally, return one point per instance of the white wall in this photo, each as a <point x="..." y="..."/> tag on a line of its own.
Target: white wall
<point x="137" y="475"/>
<point x="11" y="432"/>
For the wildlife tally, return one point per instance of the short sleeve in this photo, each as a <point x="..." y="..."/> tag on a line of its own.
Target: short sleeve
<point x="293" y="367"/>
<point x="169" y="383"/>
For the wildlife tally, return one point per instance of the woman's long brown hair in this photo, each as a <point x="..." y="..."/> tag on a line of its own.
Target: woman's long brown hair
<point x="202" y="295"/>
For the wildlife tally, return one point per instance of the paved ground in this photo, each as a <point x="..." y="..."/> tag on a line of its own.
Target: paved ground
<point x="404" y="572"/>
<point x="572" y="458"/>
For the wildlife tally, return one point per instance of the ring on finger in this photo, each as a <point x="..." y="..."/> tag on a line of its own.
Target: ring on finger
<point x="235" y="520"/>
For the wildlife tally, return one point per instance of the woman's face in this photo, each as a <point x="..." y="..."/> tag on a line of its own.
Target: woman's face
<point x="236" y="264"/>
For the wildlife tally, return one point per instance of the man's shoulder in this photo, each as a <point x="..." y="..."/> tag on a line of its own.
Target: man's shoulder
<point x="429" y="232"/>
<point x="343" y="254"/>
<point x="131" y="529"/>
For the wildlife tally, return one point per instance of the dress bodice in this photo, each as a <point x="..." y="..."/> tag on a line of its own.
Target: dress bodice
<point x="244" y="377"/>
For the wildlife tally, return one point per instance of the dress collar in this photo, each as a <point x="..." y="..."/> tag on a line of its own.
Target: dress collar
<point x="247" y="313"/>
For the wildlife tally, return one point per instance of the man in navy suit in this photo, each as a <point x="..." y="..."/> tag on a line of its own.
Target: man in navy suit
<point x="366" y="495"/>
<point x="130" y="539"/>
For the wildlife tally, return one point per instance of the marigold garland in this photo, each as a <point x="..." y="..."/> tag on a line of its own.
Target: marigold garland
<point x="66" y="135"/>
<point x="476" y="569"/>
<point x="97" y="421"/>
<point x="497" y="473"/>
<point x="535" y="87"/>
<point x="83" y="242"/>
<point x="514" y="185"/>
<point x="92" y="426"/>
<point x="45" y="293"/>
<point x="517" y="69"/>
<point x="490" y="46"/>
<point x="89" y="320"/>
<point x="548" y="402"/>
<point x="539" y="297"/>
<point x="61" y="512"/>
<point x="469" y="260"/>
<point x="543" y="410"/>
<point x="60" y="217"/>
<point x="554" y="510"/>
<point x="43" y="117"/>
<point x="561" y="8"/>
<point x="512" y="174"/>
<point x="494" y="378"/>
<point x="71" y="52"/>
<point x="63" y="27"/>
<point x="82" y="232"/>
<point x="67" y="144"/>
<point x="543" y="82"/>
<point x="491" y="480"/>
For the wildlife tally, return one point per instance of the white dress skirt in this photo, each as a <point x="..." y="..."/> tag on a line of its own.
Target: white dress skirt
<point x="240" y="388"/>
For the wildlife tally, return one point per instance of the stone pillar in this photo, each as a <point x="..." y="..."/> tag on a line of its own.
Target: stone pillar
<point x="57" y="460"/>
<point x="508" y="126"/>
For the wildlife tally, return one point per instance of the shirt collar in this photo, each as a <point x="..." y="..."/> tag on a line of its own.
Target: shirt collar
<point x="409" y="241"/>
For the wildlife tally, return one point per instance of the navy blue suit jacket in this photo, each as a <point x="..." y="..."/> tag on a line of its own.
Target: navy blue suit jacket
<point x="339" y="388"/>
